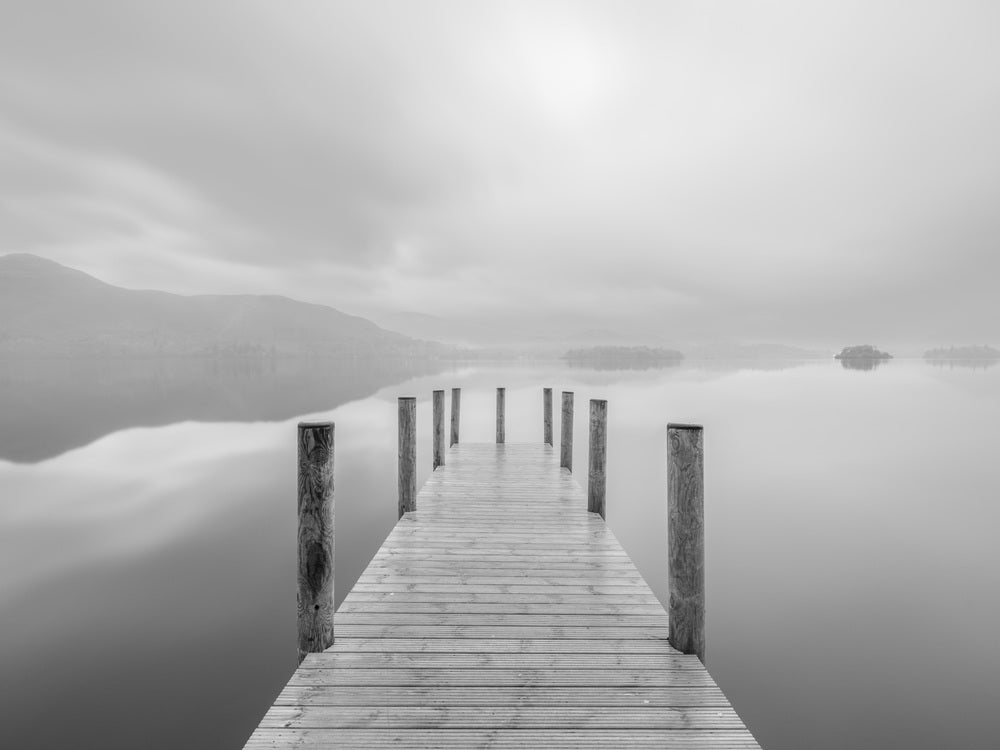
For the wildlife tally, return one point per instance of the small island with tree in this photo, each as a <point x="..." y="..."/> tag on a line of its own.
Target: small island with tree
<point x="863" y="352"/>
<point x="623" y="357"/>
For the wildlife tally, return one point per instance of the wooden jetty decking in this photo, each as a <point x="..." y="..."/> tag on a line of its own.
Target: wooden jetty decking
<point x="501" y="614"/>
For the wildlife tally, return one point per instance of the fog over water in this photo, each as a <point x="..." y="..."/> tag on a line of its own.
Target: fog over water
<point x="147" y="577"/>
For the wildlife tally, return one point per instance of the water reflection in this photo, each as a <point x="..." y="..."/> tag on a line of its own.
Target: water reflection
<point x="145" y="574"/>
<point x="968" y="364"/>
<point x="51" y="406"/>
<point x="862" y="363"/>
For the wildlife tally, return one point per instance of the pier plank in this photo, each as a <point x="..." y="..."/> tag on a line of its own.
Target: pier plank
<point x="501" y="614"/>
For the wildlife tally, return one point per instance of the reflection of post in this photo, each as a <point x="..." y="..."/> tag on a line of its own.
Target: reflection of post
<point x="501" y="392"/>
<point x="456" y="404"/>
<point x="407" y="454"/>
<point x="566" y="432"/>
<point x="547" y="416"/>
<point x="686" y="538"/>
<point x="596" y="467"/>
<point x="315" y="563"/>
<point x="438" y="429"/>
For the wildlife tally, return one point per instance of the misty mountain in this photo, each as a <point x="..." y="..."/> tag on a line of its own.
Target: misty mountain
<point x="507" y="338"/>
<point x="49" y="309"/>
<point x="447" y="330"/>
<point x="623" y="357"/>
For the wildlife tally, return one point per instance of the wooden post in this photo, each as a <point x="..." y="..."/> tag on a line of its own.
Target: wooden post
<point x="315" y="565"/>
<point x="596" y="467"/>
<point x="566" y="438"/>
<point x="501" y="392"/>
<point x="438" y="429"/>
<point x="456" y="404"/>
<point x="407" y="454"/>
<point x="547" y="416"/>
<point x="686" y="538"/>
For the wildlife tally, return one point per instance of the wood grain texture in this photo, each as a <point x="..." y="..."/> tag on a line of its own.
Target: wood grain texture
<point x="686" y="538"/>
<point x="407" y="455"/>
<point x="501" y="416"/>
<point x="315" y="537"/>
<point x="401" y="737"/>
<point x="323" y="695"/>
<point x="598" y="457"/>
<point x="501" y="614"/>
<point x="547" y="416"/>
<point x="566" y="432"/>
<point x="501" y="717"/>
<point x="438" y="422"/>
<point x="456" y="412"/>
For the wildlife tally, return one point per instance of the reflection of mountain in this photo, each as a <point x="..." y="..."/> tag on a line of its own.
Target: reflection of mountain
<point x="48" y="309"/>
<point x="53" y="405"/>
<point x="862" y="363"/>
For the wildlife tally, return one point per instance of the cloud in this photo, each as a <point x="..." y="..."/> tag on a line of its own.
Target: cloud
<point x="747" y="167"/>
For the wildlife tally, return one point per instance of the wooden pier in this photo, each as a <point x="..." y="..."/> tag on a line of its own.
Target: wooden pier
<point x="501" y="613"/>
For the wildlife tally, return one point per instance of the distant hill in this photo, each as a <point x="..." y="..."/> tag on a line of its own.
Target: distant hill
<point x="964" y="353"/>
<point x="48" y="309"/>
<point x="447" y="330"/>
<point x="623" y="357"/>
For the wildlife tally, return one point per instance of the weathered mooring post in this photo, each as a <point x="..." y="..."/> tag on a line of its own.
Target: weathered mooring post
<point x="597" y="465"/>
<point x="686" y="538"/>
<point x="315" y="564"/>
<point x="456" y="405"/>
<point x="566" y="432"/>
<point x="501" y="393"/>
<point x="407" y="454"/>
<point x="438" y="459"/>
<point x="547" y="416"/>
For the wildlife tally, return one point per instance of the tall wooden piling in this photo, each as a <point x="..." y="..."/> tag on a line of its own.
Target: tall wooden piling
<point x="566" y="432"/>
<point x="597" y="465"/>
<point x="686" y="538"/>
<point x="407" y="454"/>
<point x="316" y="523"/>
<point x="501" y="394"/>
<point x="456" y="405"/>
<point x="547" y="416"/>
<point x="438" y="422"/>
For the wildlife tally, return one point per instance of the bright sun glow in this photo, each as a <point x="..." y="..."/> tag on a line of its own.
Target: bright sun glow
<point x="567" y="78"/>
<point x="564" y="72"/>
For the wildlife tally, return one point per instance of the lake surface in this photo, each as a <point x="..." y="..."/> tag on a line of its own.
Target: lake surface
<point x="147" y="535"/>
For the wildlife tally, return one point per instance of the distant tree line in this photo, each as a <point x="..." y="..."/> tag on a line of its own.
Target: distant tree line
<point x="963" y="352"/>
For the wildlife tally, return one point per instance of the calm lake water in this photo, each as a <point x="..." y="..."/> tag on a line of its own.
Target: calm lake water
<point x="147" y="535"/>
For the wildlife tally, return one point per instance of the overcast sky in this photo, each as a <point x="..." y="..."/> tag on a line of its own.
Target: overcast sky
<point x="798" y="171"/>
